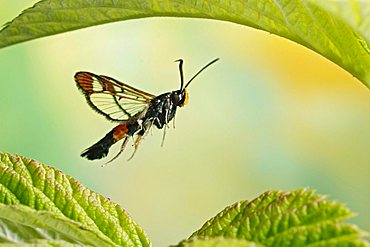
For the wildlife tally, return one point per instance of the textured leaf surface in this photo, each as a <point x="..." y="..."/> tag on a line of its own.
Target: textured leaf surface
<point x="341" y="36"/>
<point x="21" y="224"/>
<point x="42" y="243"/>
<point x="60" y="209"/>
<point x="298" y="218"/>
<point x="356" y="13"/>
<point x="217" y="242"/>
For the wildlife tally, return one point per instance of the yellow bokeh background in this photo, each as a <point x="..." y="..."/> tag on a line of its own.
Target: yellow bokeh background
<point x="271" y="114"/>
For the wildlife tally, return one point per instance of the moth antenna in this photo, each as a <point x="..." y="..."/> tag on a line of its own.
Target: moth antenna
<point x="181" y="73"/>
<point x="213" y="61"/>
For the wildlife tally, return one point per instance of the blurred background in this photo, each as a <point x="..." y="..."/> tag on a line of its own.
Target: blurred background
<point x="270" y="114"/>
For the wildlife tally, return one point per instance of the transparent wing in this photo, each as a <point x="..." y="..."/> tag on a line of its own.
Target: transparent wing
<point x="111" y="98"/>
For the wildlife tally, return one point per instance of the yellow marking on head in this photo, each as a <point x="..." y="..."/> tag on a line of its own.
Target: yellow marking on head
<point x="186" y="98"/>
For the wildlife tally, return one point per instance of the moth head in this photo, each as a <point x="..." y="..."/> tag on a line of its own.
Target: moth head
<point x="184" y="98"/>
<point x="180" y="98"/>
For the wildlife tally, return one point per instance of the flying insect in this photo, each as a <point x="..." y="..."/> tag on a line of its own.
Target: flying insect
<point x="135" y="111"/>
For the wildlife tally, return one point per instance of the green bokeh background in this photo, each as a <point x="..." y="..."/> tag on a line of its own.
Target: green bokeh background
<point x="270" y="114"/>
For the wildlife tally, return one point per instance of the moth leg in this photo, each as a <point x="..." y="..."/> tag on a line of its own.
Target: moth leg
<point x="136" y="145"/>
<point x="144" y="131"/>
<point x="174" y="118"/>
<point x="165" y="123"/>
<point x="167" y="111"/>
<point x="124" y="144"/>
<point x="164" y="134"/>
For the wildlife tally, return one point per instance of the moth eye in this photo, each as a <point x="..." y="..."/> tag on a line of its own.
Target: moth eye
<point x="176" y="98"/>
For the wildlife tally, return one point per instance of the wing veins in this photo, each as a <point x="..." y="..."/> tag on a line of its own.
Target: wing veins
<point x="128" y="100"/>
<point x="124" y="86"/>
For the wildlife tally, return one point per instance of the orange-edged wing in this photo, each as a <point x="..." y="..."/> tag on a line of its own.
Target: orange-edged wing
<point x="111" y="98"/>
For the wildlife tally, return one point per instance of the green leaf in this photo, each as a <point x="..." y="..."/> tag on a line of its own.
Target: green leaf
<point x="42" y="243"/>
<point x="298" y="218"/>
<point x="217" y="242"/>
<point x="356" y="13"/>
<point x="58" y="208"/>
<point x="40" y="206"/>
<point x="27" y="225"/>
<point x="342" y="37"/>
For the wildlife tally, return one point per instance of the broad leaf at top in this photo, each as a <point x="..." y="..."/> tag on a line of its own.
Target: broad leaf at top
<point x="341" y="37"/>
